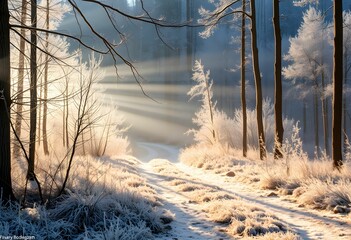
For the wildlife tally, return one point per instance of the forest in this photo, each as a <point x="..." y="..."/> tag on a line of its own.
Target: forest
<point x="182" y="119"/>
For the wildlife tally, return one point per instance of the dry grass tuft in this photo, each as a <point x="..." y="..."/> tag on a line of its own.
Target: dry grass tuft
<point x="271" y="182"/>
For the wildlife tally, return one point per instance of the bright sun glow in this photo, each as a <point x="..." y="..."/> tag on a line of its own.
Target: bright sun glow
<point x="131" y="3"/>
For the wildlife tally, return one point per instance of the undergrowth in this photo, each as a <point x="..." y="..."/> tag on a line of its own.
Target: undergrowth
<point x="310" y="182"/>
<point x="235" y="217"/>
<point x="100" y="203"/>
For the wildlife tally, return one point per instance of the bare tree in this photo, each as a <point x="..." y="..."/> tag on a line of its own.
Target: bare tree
<point x="109" y="48"/>
<point x="243" y="76"/>
<point x="258" y="80"/>
<point x="86" y="116"/>
<point x="278" y="95"/>
<point x="338" y="86"/>
<point x="211" y="19"/>
<point x="5" y="103"/>
<point x="33" y="90"/>
<point x="19" y="97"/>
<point x="46" y="67"/>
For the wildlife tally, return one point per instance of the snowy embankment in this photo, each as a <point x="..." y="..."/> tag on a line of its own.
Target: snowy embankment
<point x="105" y="199"/>
<point x="208" y="204"/>
<point x="204" y="210"/>
<point x="307" y="223"/>
<point x="212" y="206"/>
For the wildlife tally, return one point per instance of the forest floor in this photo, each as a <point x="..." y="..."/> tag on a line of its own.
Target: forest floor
<point x="180" y="187"/>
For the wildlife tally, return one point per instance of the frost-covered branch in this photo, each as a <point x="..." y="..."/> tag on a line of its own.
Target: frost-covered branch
<point x="223" y="9"/>
<point x="301" y="3"/>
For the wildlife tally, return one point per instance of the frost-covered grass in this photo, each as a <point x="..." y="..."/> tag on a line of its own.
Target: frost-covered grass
<point x="310" y="182"/>
<point x="105" y="199"/>
<point x="218" y="137"/>
<point x="222" y="160"/>
<point x="51" y="169"/>
<point x="243" y="219"/>
<point x="211" y="157"/>
<point x="236" y="216"/>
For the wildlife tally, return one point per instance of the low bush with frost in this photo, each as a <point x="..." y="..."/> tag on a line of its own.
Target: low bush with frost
<point x="326" y="195"/>
<point x="229" y="130"/>
<point x="234" y="136"/>
<point x="310" y="182"/>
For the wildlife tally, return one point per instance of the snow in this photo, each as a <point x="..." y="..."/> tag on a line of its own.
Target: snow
<point x="177" y="201"/>
<point x="191" y="222"/>
<point x="307" y="223"/>
<point x="145" y="151"/>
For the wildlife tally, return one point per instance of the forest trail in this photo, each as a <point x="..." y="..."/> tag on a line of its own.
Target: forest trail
<point x="189" y="221"/>
<point x="192" y="223"/>
<point x="307" y="223"/>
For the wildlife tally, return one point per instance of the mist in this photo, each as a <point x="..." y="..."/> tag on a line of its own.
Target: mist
<point x="159" y="109"/>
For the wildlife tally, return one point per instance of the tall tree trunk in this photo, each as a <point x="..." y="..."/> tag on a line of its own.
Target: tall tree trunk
<point x="39" y="111"/>
<point x="316" y="123"/>
<point x="46" y="67"/>
<point x="278" y="95"/>
<point x="5" y="87"/>
<point x="325" y="118"/>
<point x="338" y="85"/>
<point x="19" y="107"/>
<point x="258" y="84"/>
<point x="33" y="91"/>
<point x="243" y="77"/>
<point x="346" y="71"/>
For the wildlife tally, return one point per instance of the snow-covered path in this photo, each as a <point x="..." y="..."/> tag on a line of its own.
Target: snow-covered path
<point x="191" y="223"/>
<point x="307" y="223"/>
<point x="146" y="151"/>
